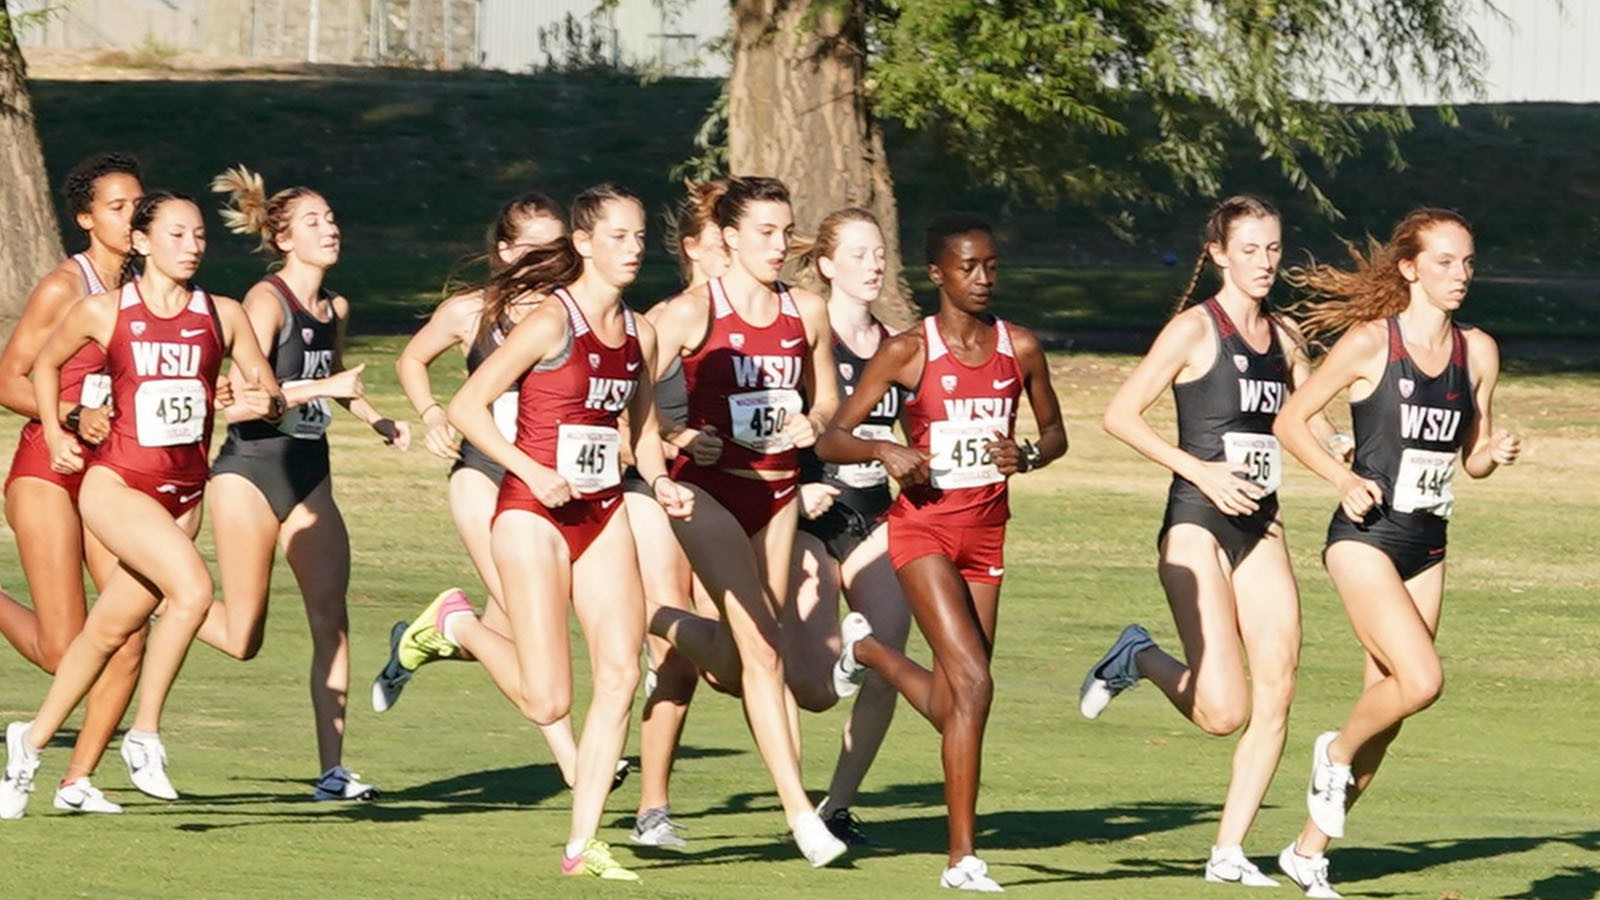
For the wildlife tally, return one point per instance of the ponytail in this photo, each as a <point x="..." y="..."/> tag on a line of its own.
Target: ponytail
<point x="250" y="211"/>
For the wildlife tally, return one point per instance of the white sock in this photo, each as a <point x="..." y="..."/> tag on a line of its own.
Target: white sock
<point x="1222" y="852"/>
<point x="135" y="734"/>
<point x="28" y="749"/>
<point x="449" y="628"/>
<point x="575" y="848"/>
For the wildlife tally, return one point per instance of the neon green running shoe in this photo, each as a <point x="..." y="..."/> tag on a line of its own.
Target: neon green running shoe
<point x="596" y="860"/>
<point x="424" y="640"/>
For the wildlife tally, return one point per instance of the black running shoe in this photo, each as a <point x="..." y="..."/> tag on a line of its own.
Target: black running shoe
<point x="843" y="825"/>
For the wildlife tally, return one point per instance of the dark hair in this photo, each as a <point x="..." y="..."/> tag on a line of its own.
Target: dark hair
<point x="251" y="211"/>
<point x="542" y="269"/>
<point x="78" y="188"/>
<point x="1374" y="288"/>
<point x="1218" y="225"/>
<point x="690" y="217"/>
<point x="947" y="226"/>
<point x="517" y="211"/>
<point x="826" y="243"/>
<point x="743" y="191"/>
<point x="144" y="212"/>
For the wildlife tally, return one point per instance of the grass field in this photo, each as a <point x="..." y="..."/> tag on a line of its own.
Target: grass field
<point x="1489" y="794"/>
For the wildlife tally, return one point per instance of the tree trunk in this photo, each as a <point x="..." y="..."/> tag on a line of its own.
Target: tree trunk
<point x="30" y="244"/>
<point x="797" y="110"/>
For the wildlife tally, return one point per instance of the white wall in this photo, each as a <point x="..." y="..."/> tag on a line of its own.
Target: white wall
<point x="638" y="34"/>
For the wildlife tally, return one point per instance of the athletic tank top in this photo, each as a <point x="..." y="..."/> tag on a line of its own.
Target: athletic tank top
<point x="567" y="413"/>
<point x="955" y="411"/>
<point x="163" y="383"/>
<point x="1409" y="429"/>
<point x="83" y="378"/>
<point x="877" y="426"/>
<point x="745" y="381"/>
<point x="505" y="405"/>
<point x="1227" y="413"/>
<point x="672" y="395"/>
<point x="302" y="351"/>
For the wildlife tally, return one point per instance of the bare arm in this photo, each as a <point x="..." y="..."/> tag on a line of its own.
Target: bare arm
<point x="1488" y="448"/>
<point x="822" y="378"/>
<point x="451" y="325"/>
<point x="1046" y="408"/>
<point x="645" y="441"/>
<point x="1357" y="357"/>
<point x="90" y="319"/>
<point x="1338" y="444"/>
<point x="47" y="306"/>
<point x="251" y="370"/>
<point x="899" y="360"/>
<point x="396" y="434"/>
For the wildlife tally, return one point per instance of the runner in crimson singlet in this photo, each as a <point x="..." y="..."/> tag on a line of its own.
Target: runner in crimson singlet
<point x="967" y="369"/>
<point x="750" y="347"/>
<point x="560" y="535"/>
<point x="1421" y="393"/>
<point x="164" y="341"/>
<point x="41" y="503"/>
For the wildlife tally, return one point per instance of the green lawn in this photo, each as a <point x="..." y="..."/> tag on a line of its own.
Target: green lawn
<point x="1489" y="794"/>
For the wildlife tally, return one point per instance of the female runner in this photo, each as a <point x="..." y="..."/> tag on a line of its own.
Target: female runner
<point x="1421" y="392"/>
<point x="579" y="360"/>
<point x="1224" y="565"/>
<point x="41" y="503"/>
<point x="749" y="346"/>
<point x="164" y="341"/>
<point x="966" y="369"/>
<point x="527" y="221"/>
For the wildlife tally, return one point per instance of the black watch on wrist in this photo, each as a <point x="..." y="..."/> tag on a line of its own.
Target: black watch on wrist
<point x="74" y="417"/>
<point x="1030" y="455"/>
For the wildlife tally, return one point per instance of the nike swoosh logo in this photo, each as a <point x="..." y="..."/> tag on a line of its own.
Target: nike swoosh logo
<point x="607" y="504"/>
<point x="1451" y="398"/>
<point x="167" y="489"/>
<point x="996" y="571"/>
<point x="68" y="801"/>
<point x="791" y="343"/>
<point x="634" y="367"/>
<point x="1002" y="385"/>
<point x="190" y="498"/>
<point x="779" y="495"/>
<point x="190" y="332"/>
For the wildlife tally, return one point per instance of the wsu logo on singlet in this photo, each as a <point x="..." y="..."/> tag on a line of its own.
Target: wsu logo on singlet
<point x="767" y="371"/>
<point x="965" y="409"/>
<point x="888" y="405"/>
<point x="1428" y="423"/>
<point x="317" y="364"/>
<point x="152" y="359"/>
<point x="609" y="394"/>
<point x="1256" y="396"/>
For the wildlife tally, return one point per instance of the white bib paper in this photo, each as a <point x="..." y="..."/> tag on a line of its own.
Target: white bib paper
<point x="96" y="391"/>
<point x="959" y="459"/>
<point x="307" y="421"/>
<point x="867" y="474"/>
<point x="1423" y="482"/>
<point x="759" y="416"/>
<point x="170" y="412"/>
<point x="586" y="456"/>
<point x="505" y="414"/>
<point x="1258" y="454"/>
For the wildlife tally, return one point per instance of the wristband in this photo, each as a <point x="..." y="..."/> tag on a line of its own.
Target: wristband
<point x="386" y="428"/>
<point x="1030" y="454"/>
<point x="433" y="405"/>
<point x="74" y="418"/>
<point x="656" y="479"/>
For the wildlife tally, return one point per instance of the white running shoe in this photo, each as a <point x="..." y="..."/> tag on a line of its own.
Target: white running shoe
<point x="1114" y="672"/>
<point x="970" y="874"/>
<point x="146" y="759"/>
<point x="80" y="796"/>
<point x="1325" y="796"/>
<point x="1231" y="866"/>
<point x="339" y="783"/>
<point x="1309" y="873"/>
<point x="655" y="828"/>
<point x="847" y="672"/>
<point x="816" y="842"/>
<point x="22" y="762"/>
<point x="392" y="680"/>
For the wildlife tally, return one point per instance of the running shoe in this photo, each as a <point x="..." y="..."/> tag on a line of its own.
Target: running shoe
<point x="80" y="796"/>
<point x="392" y="680"/>
<point x="339" y="783"/>
<point x="816" y="842"/>
<point x="146" y="759"/>
<point x="847" y="672"/>
<point x="1231" y="866"/>
<point x="655" y="828"/>
<point x="843" y="824"/>
<point x="1309" y="873"/>
<point x="596" y="860"/>
<point x="970" y="874"/>
<point x="621" y="774"/>
<point x="22" y="762"/>
<point x="423" y="641"/>
<point x="1113" y="673"/>
<point x="1325" y="795"/>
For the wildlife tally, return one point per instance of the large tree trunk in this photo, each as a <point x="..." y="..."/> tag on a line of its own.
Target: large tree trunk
<point x="30" y="244"/>
<point x="797" y="110"/>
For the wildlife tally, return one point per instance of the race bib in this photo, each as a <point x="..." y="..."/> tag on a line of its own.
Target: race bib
<point x="959" y="460"/>
<point x="308" y="421"/>
<point x="96" y="391"/>
<point x="1258" y="455"/>
<point x="867" y="474"/>
<point x="170" y="412"/>
<point x="505" y="415"/>
<point x="586" y="456"/>
<point x="759" y="416"/>
<point x="1423" y="483"/>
